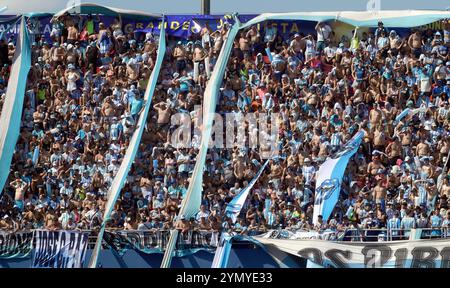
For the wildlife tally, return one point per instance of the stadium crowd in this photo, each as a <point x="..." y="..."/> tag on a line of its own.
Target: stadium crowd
<point x="85" y="93"/>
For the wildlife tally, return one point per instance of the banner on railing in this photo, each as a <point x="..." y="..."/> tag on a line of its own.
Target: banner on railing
<point x="15" y="245"/>
<point x="156" y="241"/>
<point x="328" y="234"/>
<point x="397" y="254"/>
<point x="60" y="249"/>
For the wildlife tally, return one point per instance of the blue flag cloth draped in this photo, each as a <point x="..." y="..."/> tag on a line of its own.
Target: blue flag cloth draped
<point x="223" y="251"/>
<point x="402" y="114"/>
<point x="11" y="113"/>
<point x="233" y="209"/>
<point x="269" y="54"/>
<point x="329" y="178"/>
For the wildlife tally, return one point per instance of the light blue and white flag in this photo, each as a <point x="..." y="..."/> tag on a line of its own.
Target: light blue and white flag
<point x="403" y="114"/>
<point x="267" y="204"/>
<point x="11" y="114"/>
<point x="35" y="155"/>
<point x="223" y="251"/>
<point x="234" y="207"/>
<point x="329" y="178"/>
<point x="269" y="54"/>
<point x="196" y="27"/>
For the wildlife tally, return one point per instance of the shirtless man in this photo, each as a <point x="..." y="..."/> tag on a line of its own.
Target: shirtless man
<point x="108" y="108"/>
<point x="394" y="150"/>
<point x="375" y="116"/>
<point x="406" y="139"/>
<point x="379" y="138"/>
<point x="198" y="56"/>
<point x="72" y="34"/>
<point x="244" y="43"/>
<point x="150" y="46"/>
<point x="46" y="52"/>
<point x="20" y="186"/>
<point x="275" y="173"/>
<point x="164" y="113"/>
<point x="183" y="225"/>
<point x="375" y="165"/>
<point x="428" y="168"/>
<point x="238" y="168"/>
<point x="39" y="115"/>
<point x="296" y="44"/>
<point x="423" y="149"/>
<point x="179" y="53"/>
<point x="444" y="148"/>
<point x="253" y="35"/>
<point x="415" y="43"/>
<point x="72" y="55"/>
<point x="445" y="188"/>
<point x="58" y="54"/>
<point x="379" y="194"/>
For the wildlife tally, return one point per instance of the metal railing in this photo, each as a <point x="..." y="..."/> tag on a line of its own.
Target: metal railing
<point x="92" y="238"/>
<point x="380" y="235"/>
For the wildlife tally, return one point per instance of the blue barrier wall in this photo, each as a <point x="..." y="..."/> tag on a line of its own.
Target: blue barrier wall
<point x="243" y="256"/>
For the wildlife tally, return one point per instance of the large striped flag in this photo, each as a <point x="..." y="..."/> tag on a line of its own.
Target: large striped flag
<point x="329" y="178"/>
<point x="11" y="113"/>
<point x="233" y="209"/>
<point x="235" y="206"/>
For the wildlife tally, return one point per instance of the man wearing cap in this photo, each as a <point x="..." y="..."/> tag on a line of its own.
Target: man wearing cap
<point x="296" y="46"/>
<point x="6" y="223"/>
<point x="116" y="129"/>
<point x="308" y="171"/>
<point x="182" y="224"/>
<point x="57" y="54"/>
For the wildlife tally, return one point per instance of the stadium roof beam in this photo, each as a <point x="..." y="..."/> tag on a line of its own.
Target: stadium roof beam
<point x="92" y="8"/>
<point x="390" y="18"/>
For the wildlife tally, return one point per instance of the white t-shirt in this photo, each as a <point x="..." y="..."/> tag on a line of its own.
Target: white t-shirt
<point x="183" y="167"/>
<point x="64" y="190"/>
<point x="330" y="51"/>
<point x="425" y="85"/>
<point x="309" y="47"/>
<point x="323" y="33"/>
<point x="201" y="214"/>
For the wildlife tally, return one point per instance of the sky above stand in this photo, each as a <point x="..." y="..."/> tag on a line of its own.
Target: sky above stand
<point x="225" y="6"/>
